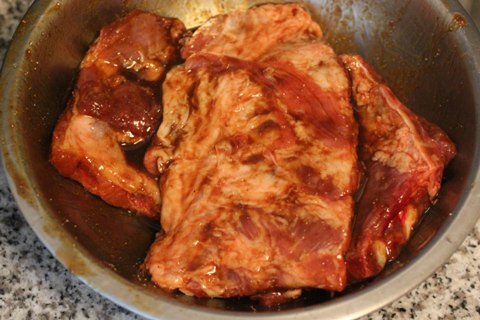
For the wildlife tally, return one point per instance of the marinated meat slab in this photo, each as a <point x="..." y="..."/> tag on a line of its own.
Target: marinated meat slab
<point x="259" y="170"/>
<point x="250" y="34"/>
<point x="116" y="103"/>
<point x="405" y="156"/>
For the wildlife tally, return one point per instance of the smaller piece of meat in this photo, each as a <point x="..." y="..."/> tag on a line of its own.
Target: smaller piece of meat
<point x="405" y="157"/>
<point x="250" y="34"/>
<point x="115" y="103"/>
<point x="85" y="149"/>
<point x="121" y="75"/>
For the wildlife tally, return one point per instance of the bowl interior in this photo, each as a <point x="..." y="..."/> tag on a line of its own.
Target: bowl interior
<point x="418" y="46"/>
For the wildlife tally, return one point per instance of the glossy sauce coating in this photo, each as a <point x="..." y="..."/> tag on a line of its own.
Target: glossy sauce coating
<point x="255" y="199"/>
<point x="121" y="75"/>
<point x="115" y="103"/>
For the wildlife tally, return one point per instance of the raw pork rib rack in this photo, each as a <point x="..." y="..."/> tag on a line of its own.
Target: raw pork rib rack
<point x="258" y="149"/>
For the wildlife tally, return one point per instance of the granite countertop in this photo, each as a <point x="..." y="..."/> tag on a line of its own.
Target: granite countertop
<point x="33" y="285"/>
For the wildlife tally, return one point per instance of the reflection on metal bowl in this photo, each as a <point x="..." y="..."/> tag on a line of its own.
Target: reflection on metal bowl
<point x="426" y="50"/>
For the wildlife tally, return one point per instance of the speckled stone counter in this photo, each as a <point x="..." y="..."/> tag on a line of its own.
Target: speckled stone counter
<point x="33" y="285"/>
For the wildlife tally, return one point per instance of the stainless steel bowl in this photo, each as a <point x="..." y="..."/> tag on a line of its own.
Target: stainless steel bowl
<point x="427" y="50"/>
